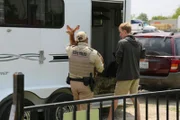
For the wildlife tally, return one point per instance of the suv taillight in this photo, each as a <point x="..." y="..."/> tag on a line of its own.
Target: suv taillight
<point x="175" y="65"/>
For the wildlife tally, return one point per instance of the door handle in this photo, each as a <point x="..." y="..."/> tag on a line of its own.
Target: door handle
<point x="41" y="57"/>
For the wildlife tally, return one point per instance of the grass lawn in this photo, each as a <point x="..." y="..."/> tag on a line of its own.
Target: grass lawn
<point x="104" y="85"/>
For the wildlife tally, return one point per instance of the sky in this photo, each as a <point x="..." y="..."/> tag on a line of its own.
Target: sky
<point x="154" y="7"/>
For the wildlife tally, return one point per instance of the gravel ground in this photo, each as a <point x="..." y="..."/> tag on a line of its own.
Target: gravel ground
<point x="152" y="113"/>
<point x="105" y="85"/>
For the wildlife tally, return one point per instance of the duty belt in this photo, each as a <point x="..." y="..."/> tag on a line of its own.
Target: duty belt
<point x="86" y="80"/>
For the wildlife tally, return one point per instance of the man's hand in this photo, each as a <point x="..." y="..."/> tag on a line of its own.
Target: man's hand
<point x="71" y="32"/>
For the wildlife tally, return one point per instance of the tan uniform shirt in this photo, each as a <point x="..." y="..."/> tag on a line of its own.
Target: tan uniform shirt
<point x="94" y="57"/>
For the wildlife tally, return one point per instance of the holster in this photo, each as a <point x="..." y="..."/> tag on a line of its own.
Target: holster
<point x="86" y="81"/>
<point x="92" y="84"/>
<point x="89" y="81"/>
<point x="68" y="80"/>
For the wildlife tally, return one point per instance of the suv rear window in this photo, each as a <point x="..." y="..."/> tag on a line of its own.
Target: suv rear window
<point x="177" y="44"/>
<point x="156" y="45"/>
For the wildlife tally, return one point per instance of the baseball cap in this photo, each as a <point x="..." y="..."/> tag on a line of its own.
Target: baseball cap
<point x="81" y="36"/>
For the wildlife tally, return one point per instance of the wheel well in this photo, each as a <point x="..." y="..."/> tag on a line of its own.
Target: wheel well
<point x="35" y="99"/>
<point x="52" y="114"/>
<point x="59" y="91"/>
<point x="27" y="95"/>
<point x="6" y="108"/>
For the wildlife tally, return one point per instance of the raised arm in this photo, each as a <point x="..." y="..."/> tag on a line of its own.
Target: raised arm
<point x="71" y="32"/>
<point x="99" y="64"/>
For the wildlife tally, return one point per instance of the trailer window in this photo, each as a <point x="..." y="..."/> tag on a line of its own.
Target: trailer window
<point x="32" y="13"/>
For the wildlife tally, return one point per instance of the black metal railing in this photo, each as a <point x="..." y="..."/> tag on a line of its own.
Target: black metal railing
<point x="167" y="95"/>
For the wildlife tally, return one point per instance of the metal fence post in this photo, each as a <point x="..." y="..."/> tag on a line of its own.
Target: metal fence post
<point x="17" y="109"/>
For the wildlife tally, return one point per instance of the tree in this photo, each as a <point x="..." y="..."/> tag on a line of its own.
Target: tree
<point x="159" y="17"/>
<point x="176" y="14"/>
<point x="143" y="17"/>
<point x="133" y="16"/>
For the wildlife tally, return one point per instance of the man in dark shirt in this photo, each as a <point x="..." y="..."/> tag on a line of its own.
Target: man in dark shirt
<point x="128" y="55"/>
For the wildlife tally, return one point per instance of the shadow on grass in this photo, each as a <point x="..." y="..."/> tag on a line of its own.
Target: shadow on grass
<point x="104" y="85"/>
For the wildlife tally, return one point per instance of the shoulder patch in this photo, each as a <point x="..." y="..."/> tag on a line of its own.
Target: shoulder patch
<point x="98" y="54"/>
<point x="91" y="49"/>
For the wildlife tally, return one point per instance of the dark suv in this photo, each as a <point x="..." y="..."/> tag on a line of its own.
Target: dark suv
<point x="161" y="68"/>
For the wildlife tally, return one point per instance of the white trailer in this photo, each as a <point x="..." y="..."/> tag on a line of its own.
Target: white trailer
<point x="33" y="40"/>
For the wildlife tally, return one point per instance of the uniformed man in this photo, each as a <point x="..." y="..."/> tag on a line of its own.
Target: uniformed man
<point x="83" y="60"/>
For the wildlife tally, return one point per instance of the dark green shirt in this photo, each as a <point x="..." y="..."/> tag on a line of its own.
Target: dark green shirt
<point x="128" y="55"/>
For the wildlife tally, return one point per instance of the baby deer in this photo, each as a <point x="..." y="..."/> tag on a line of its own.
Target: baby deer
<point x="71" y="32"/>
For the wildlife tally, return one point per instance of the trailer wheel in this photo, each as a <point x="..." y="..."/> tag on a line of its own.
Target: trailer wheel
<point x="55" y="113"/>
<point x="6" y="108"/>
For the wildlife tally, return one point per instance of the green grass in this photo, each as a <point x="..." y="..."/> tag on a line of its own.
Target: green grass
<point x="173" y="109"/>
<point x="104" y="85"/>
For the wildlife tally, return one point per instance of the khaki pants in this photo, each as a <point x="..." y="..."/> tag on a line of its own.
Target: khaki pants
<point x="123" y="87"/>
<point x="80" y="91"/>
